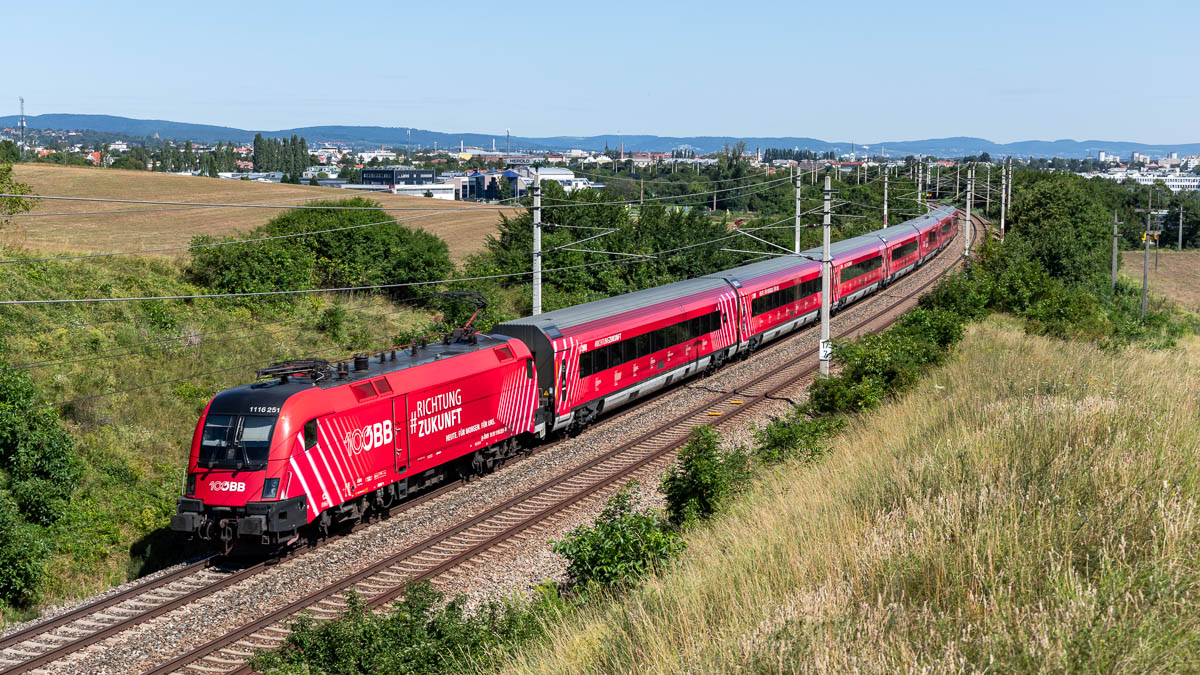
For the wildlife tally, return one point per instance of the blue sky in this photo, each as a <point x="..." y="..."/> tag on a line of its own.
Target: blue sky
<point x="861" y="71"/>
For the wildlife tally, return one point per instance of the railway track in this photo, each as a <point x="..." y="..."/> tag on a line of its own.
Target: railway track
<point x="44" y="643"/>
<point x="385" y="580"/>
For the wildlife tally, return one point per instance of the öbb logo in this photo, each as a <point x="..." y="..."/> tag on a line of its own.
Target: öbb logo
<point x="369" y="437"/>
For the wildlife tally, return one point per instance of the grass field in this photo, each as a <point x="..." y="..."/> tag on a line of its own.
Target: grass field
<point x="133" y="226"/>
<point x="1030" y="507"/>
<point x="1177" y="276"/>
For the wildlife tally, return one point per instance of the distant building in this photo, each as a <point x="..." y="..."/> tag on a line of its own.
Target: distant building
<point x="398" y="175"/>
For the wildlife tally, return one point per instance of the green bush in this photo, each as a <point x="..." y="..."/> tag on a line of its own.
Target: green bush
<point x="39" y="500"/>
<point x="795" y="436"/>
<point x="36" y="451"/>
<point x="621" y="547"/>
<point x="332" y="322"/>
<point x="378" y="251"/>
<point x="703" y="477"/>
<point x="22" y="556"/>
<point x="423" y="633"/>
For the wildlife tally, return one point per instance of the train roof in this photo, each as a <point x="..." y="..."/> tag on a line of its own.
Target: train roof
<point x="551" y="323"/>
<point x="273" y="392"/>
<point x="763" y="268"/>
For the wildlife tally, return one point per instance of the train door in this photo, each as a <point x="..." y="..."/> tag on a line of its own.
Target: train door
<point x="399" y="423"/>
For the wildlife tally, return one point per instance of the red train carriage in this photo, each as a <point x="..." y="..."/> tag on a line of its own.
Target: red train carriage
<point x="318" y="444"/>
<point x="931" y="226"/>
<point x="775" y="297"/>
<point x="599" y="355"/>
<point x="903" y="251"/>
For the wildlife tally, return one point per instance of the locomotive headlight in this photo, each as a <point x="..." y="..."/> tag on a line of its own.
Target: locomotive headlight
<point x="191" y="484"/>
<point x="270" y="488"/>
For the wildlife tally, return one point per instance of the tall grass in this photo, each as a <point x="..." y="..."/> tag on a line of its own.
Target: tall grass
<point x="1029" y="506"/>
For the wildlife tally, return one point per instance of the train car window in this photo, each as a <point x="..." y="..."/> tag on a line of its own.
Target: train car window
<point x="810" y="287"/>
<point x="382" y="385"/>
<point x="585" y="365"/>
<point x="904" y="250"/>
<point x="599" y="360"/>
<point x="694" y="328"/>
<point x="860" y="268"/>
<point x="362" y="390"/>
<point x="932" y="238"/>
<point x="946" y="228"/>
<point x="643" y="345"/>
<point x="676" y="334"/>
<point x="310" y="434"/>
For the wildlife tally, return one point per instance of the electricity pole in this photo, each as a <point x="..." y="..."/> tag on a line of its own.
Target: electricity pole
<point x="537" y="243"/>
<point x="928" y="186"/>
<point x="825" y="350"/>
<point x="796" y="246"/>
<point x="1004" y="178"/>
<point x="1181" y="227"/>
<point x="1116" y="236"/>
<point x="957" y="184"/>
<point x="1146" y="256"/>
<point x="987" y="199"/>
<point x="1008" y="196"/>
<point x="920" y="184"/>
<point x="970" y="198"/>
<point x="885" y="188"/>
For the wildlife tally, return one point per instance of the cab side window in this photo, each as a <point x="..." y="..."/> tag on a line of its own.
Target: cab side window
<point x="310" y="434"/>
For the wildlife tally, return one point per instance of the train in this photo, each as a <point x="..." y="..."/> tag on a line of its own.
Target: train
<point x="313" y="444"/>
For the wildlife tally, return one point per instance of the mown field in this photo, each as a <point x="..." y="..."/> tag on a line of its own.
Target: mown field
<point x="1176" y="278"/>
<point x="1030" y="506"/>
<point x="134" y="226"/>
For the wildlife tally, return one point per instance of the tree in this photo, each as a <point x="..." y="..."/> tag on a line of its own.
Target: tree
<point x="260" y="149"/>
<point x="428" y="194"/>
<point x="1066" y="225"/>
<point x="9" y="152"/>
<point x="9" y="185"/>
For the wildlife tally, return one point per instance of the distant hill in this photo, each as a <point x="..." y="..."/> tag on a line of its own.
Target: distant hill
<point x="397" y="136"/>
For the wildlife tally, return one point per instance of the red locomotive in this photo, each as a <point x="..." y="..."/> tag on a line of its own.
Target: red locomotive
<point x="318" y="443"/>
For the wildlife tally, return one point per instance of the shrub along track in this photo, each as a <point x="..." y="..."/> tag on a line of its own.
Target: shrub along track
<point x="468" y="541"/>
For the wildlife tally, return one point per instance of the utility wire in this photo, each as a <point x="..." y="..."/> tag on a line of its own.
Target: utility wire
<point x="346" y="288"/>
<point x="81" y="399"/>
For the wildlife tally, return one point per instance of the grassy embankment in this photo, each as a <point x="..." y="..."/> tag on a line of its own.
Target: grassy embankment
<point x="133" y="445"/>
<point x="139" y="226"/>
<point x="1031" y="505"/>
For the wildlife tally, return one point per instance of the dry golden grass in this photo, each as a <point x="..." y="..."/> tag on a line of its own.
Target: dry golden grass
<point x="140" y="226"/>
<point x="1031" y="506"/>
<point x="1177" y="276"/>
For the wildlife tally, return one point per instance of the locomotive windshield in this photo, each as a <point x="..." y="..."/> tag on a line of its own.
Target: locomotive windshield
<point x="236" y="441"/>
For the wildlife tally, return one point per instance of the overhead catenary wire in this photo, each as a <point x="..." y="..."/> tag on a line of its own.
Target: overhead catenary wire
<point x="91" y="397"/>
<point x="343" y="289"/>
